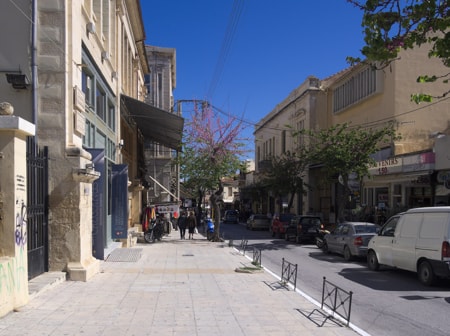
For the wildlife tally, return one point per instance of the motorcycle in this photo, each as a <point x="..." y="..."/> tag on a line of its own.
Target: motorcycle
<point x="154" y="232"/>
<point x="320" y="238"/>
<point x="209" y="229"/>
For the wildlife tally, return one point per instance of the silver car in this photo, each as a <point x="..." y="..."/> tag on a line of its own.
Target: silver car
<point x="350" y="239"/>
<point x="258" y="222"/>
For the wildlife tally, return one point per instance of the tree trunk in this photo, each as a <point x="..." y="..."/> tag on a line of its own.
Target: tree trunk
<point x="216" y="206"/>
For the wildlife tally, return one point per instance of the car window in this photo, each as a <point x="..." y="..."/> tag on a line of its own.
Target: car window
<point x="389" y="228"/>
<point x="365" y="229"/>
<point x="345" y="230"/>
<point x="338" y="230"/>
<point x="286" y="217"/>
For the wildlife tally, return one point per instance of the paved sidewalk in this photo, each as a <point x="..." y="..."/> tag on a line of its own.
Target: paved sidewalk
<point x="173" y="287"/>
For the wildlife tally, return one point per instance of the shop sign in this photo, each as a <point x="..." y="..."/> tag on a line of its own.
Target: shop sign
<point x="388" y="166"/>
<point x="172" y="209"/>
<point x="419" y="162"/>
<point x="443" y="176"/>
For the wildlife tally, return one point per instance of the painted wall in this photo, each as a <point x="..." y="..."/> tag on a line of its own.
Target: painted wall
<point x="13" y="203"/>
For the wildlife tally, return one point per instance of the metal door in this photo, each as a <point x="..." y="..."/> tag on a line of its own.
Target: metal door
<point x="37" y="208"/>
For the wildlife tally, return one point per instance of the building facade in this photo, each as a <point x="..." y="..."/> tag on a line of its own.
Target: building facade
<point x="406" y="174"/>
<point x="162" y="173"/>
<point x="277" y="133"/>
<point x="76" y="71"/>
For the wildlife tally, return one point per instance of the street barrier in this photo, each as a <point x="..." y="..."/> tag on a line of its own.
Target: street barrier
<point x="243" y="246"/>
<point x="336" y="299"/>
<point x="256" y="257"/>
<point x="288" y="273"/>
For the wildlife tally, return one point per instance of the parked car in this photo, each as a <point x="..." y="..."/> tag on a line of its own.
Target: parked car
<point x="280" y="224"/>
<point x="350" y="239"/>
<point x="417" y="240"/>
<point x="303" y="228"/>
<point x="231" y="216"/>
<point x="258" y="222"/>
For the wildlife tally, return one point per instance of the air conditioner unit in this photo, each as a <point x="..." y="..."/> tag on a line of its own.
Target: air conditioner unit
<point x="90" y="27"/>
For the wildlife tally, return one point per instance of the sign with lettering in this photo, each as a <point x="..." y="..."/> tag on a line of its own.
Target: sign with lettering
<point x="168" y="208"/>
<point x="388" y="166"/>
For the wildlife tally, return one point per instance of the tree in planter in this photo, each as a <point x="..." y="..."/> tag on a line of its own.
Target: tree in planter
<point x="393" y="25"/>
<point x="211" y="151"/>
<point x="345" y="151"/>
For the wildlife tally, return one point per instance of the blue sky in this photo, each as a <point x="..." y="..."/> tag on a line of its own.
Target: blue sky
<point x="271" y="47"/>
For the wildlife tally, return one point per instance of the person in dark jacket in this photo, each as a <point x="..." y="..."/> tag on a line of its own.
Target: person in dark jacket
<point x="182" y="225"/>
<point x="191" y="224"/>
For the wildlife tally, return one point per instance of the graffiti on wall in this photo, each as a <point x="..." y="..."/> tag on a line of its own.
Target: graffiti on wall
<point x="21" y="225"/>
<point x="13" y="274"/>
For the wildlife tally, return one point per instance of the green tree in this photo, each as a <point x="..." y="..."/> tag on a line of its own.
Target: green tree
<point x="287" y="174"/>
<point x="393" y="25"/>
<point x="211" y="151"/>
<point x="345" y="150"/>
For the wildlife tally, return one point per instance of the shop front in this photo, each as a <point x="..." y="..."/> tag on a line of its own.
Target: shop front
<point x="400" y="183"/>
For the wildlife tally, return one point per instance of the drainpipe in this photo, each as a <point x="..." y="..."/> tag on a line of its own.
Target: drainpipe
<point x="34" y="66"/>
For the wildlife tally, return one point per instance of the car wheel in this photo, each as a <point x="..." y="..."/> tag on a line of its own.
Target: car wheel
<point x="372" y="261"/>
<point x="347" y="254"/>
<point x="325" y="247"/>
<point x="426" y="274"/>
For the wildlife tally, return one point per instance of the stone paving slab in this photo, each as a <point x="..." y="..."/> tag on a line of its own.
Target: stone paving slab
<point x="187" y="287"/>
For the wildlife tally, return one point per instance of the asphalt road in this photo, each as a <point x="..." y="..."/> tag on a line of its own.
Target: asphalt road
<point x="389" y="302"/>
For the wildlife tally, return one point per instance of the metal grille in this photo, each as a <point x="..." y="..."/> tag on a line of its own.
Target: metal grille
<point x="37" y="208"/>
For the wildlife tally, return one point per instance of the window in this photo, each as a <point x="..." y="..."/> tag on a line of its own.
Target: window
<point x="87" y="83"/>
<point x="100" y="107"/>
<point x="300" y="137"/>
<point x="389" y="228"/>
<point x="111" y="115"/>
<point x="160" y="90"/>
<point x="283" y="142"/>
<point x="355" y="89"/>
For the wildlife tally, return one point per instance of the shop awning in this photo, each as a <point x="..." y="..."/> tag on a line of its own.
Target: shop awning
<point x="161" y="126"/>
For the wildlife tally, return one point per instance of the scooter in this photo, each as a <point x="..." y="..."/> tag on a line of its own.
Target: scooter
<point x="320" y="238"/>
<point x="209" y="229"/>
<point x="154" y="232"/>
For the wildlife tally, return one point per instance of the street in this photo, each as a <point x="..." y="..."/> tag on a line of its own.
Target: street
<point x="389" y="302"/>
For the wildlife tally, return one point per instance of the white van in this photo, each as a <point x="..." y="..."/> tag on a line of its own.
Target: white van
<point x="417" y="240"/>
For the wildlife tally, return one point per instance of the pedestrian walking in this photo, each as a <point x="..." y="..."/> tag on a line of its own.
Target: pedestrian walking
<point x="182" y="225"/>
<point x="191" y="224"/>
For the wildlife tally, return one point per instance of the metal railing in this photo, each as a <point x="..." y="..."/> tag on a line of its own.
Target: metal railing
<point x="256" y="257"/>
<point x="336" y="299"/>
<point x="288" y="273"/>
<point x="243" y="246"/>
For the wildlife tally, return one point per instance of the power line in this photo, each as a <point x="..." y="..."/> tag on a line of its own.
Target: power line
<point x="226" y="45"/>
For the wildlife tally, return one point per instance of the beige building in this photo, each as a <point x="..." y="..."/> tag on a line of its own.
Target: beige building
<point x="76" y="71"/>
<point x="161" y="175"/>
<point x="274" y="136"/>
<point x="405" y="175"/>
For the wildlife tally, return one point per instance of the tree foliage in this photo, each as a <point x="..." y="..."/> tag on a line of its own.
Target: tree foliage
<point x="344" y="150"/>
<point x="393" y="25"/>
<point x="286" y="176"/>
<point x="211" y="150"/>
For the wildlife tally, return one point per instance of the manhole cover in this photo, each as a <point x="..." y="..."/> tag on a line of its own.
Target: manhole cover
<point x="125" y="255"/>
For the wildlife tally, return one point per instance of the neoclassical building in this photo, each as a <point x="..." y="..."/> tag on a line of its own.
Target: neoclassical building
<point x="75" y="69"/>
